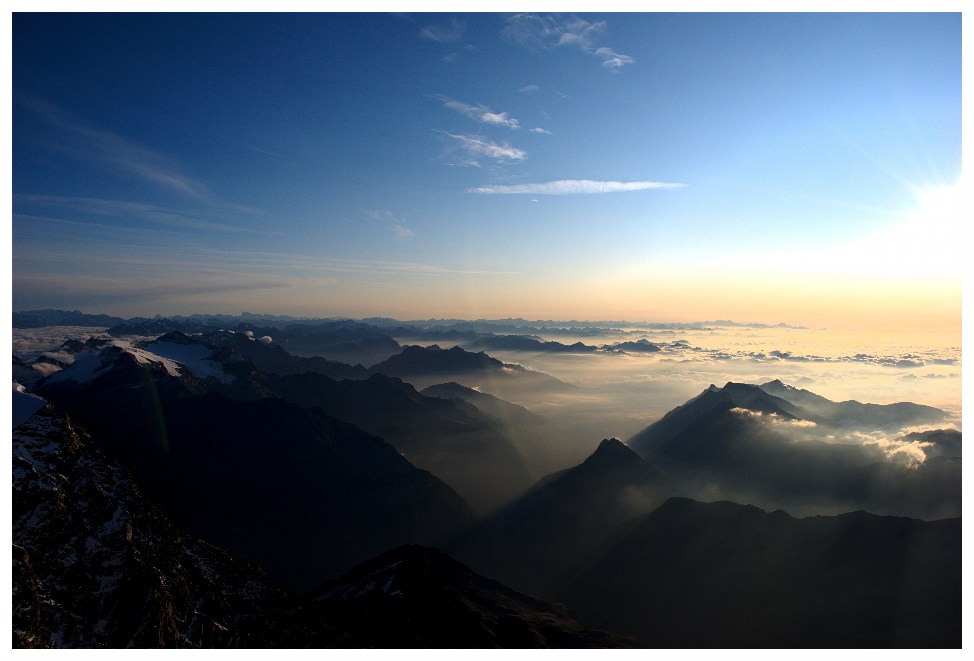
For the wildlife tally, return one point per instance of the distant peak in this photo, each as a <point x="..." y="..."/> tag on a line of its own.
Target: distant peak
<point x="614" y="450"/>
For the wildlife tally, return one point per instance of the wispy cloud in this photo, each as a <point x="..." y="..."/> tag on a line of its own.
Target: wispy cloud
<point x="445" y="33"/>
<point x="477" y="146"/>
<point x="529" y="89"/>
<point x="573" y="187"/>
<point x="112" y="150"/>
<point x="127" y="210"/>
<point x="537" y="31"/>
<point x="391" y="221"/>
<point x="538" y="129"/>
<point x="479" y="112"/>
<point x="613" y="60"/>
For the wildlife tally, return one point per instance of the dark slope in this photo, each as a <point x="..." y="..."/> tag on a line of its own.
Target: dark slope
<point x="96" y="565"/>
<point x="526" y="343"/>
<point x="711" y="449"/>
<point x="537" y="439"/>
<point x="275" y="359"/>
<point x="940" y="442"/>
<point x="425" y="366"/>
<point x="658" y="437"/>
<point x="728" y="575"/>
<point x="419" y="597"/>
<point x="414" y="360"/>
<point x="506" y="412"/>
<point x="256" y="477"/>
<point x="450" y="438"/>
<point x="345" y="341"/>
<point x="852" y="412"/>
<point x="639" y="346"/>
<point x="533" y="543"/>
<point x="40" y="318"/>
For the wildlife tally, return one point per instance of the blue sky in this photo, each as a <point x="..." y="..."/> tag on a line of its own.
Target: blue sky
<point x="648" y="166"/>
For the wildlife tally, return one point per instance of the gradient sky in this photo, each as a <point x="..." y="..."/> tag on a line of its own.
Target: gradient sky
<point x="759" y="167"/>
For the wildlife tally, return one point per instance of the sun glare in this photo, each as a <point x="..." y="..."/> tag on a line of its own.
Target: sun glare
<point x="930" y="237"/>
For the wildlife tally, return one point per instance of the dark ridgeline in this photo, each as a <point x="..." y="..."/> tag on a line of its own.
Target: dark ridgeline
<point x="415" y="596"/>
<point x="450" y="438"/>
<point x="538" y="541"/>
<point x="40" y="318"/>
<point x="260" y="457"/>
<point x="96" y="565"/>
<point x="426" y="366"/>
<point x="527" y="343"/>
<point x="272" y="358"/>
<point x="727" y="575"/>
<point x="712" y="449"/>
<point x="343" y="341"/>
<point x="303" y="494"/>
<point x="852" y="412"/>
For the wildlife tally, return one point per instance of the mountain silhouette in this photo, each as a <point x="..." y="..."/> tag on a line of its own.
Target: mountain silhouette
<point x="257" y="476"/>
<point x="526" y="343"/>
<point x="426" y="366"/>
<point x="448" y="437"/>
<point x="852" y="412"/>
<point x="95" y="564"/>
<point x="415" y="596"/>
<point x="739" y="443"/>
<point x="727" y="575"/>
<point x="534" y="542"/>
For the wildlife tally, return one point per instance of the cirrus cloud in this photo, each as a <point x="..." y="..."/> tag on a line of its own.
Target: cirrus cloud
<point x="478" y="112"/>
<point x="477" y="146"/>
<point x="573" y="187"/>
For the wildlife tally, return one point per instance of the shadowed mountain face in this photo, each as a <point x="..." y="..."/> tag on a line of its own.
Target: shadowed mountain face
<point x="39" y="318"/>
<point x="852" y="413"/>
<point x="539" y="440"/>
<point x="257" y="476"/>
<point x="727" y="575"/>
<point x="419" y="597"/>
<point x="450" y="438"/>
<point x="742" y="444"/>
<point x="503" y="411"/>
<point x="96" y="565"/>
<point x="534" y="543"/>
<point x="274" y="359"/>
<point x="344" y="341"/>
<point x="425" y="366"/>
<point x="525" y="343"/>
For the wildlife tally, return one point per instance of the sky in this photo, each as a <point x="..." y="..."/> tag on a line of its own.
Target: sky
<point x="797" y="168"/>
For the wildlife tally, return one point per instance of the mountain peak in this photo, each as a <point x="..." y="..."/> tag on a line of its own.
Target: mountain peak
<point x="612" y="450"/>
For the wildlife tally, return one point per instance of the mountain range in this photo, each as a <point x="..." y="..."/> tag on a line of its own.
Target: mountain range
<point x="741" y="443"/>
<point x="96" y="564"/>
<point x="213" y="489"/>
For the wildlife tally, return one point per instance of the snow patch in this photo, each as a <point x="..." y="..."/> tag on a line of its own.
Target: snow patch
<point x="25" y="405"/>
<point x="194" y="357"/>
<point x="85" y="368"/>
